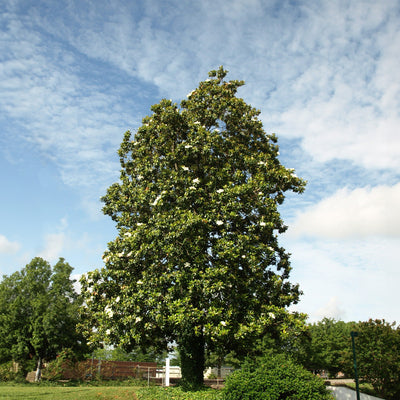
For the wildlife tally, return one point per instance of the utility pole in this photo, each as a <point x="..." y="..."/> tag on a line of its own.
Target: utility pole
<point x="353" y="335"/>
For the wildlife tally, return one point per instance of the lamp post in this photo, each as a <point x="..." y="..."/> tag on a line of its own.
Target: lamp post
<point x="353" y="335"/>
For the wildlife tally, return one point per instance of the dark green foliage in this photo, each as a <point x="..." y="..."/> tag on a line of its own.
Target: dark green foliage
<point x="39" y="313"/>
<point x="327" y="346"/>
<point x="55" y="369"/>
<point x="7" y="372"/>
<point x="274" y="377"/>
<point x="197" y="258"/>
<point x="192" y="357"/>
<point x="378" y="356"/>
<point x="137" y="354"/>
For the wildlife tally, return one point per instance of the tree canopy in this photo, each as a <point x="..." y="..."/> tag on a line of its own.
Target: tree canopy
<point x="197" y="259"/>
<point x="378" y="356"/>
<point x="330" y="345"/>
<point x="39" y="311"/>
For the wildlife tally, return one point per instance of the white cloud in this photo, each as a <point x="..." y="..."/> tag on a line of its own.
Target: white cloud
<point x="54" y="246"/>
<point x="77" y="285"/>
<point x="361" y="212"/>
<point x="8" y="247"/>
<point x="333" y="309"/>
<point x="351" y="280"/>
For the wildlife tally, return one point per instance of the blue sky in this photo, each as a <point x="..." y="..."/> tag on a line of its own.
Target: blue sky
<point x="75" y="75"/>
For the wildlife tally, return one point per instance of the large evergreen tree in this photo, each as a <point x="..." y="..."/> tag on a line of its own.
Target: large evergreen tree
<point x="196" y="260"/>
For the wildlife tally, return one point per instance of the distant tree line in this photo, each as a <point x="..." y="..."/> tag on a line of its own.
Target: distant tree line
<point x="326" y="346"/>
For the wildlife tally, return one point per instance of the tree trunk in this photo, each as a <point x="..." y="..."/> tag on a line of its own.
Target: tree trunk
<point x="191" y="348"/>
<point x="38" y="375"/>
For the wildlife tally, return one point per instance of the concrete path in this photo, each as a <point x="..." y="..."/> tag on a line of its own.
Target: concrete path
<point x="343" y="393"/>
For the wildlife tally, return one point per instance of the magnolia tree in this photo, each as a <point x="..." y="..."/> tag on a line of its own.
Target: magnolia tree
<point x="196" y="261"/>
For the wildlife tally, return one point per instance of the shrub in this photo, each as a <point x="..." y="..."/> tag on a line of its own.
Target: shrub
<point x="6" y="372"/>
<point x="55" y="369"/>
<point x="274" y="377"/>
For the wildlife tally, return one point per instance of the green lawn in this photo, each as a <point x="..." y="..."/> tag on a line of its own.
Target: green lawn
<point x="35" y="392"/>
<point x="41" y="392"/>
<point x="159" y="393"/>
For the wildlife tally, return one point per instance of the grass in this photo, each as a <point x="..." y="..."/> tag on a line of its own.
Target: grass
<point x="86" y="392"/>
<point x="176" y="393"/>
<point x="38" y="392"/>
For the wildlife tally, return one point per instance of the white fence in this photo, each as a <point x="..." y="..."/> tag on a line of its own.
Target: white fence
<point x="175" y="372"/>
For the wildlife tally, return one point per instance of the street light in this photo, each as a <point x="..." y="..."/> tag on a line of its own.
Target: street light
<point x="353" y="335"/>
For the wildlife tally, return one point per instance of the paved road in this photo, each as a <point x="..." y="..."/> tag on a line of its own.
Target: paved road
<point x="343" y="393"/>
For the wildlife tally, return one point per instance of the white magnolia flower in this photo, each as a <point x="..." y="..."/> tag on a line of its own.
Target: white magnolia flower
<point x="129" y="254"/>
<point x="192" y="188"/>
<point x="270" y="248"/>
<point x="106" y="259"/>
<point x="117" y="299"/>
<point x="243" y="256"/>
<point x="223" y="323"/>
<point x="138" y="319"/>
<point x="196" y="181"/>
<point x="185" y="168"/>
<point x="262" y="223"/>
<point x="262" y="163"/>
<point x="271" y="315"/>
<point x="158" y="198"/>
<point x="189" y="94"/>
<point x="220" y="190"/>
<point x="196" y="122"/>
<point x="219" y="222"/>
<point x="121" y="254"/>
<point x="139" y="224"/>
<point x="139" y="282"/>
<point x="108" y="311"/>
<point x="108" y="331"/>
<point x="217" y="130"/>
<point x="188" y="146"/>
<point x="139" y="177"/>
<point x="128" y="234"/>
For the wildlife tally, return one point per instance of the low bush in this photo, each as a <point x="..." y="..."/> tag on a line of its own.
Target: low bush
<point x="6" y="372"/>
<point x="177" y="393"/>
<point x="274" y="377"/>
<point x="56" y="368"/>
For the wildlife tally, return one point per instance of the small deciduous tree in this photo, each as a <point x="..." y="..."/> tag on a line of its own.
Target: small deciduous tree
<point x="329" y="348"/>
<point x="378" y="356"/>
<point x="39" y="311"/>
<point x="197" y="259"/>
